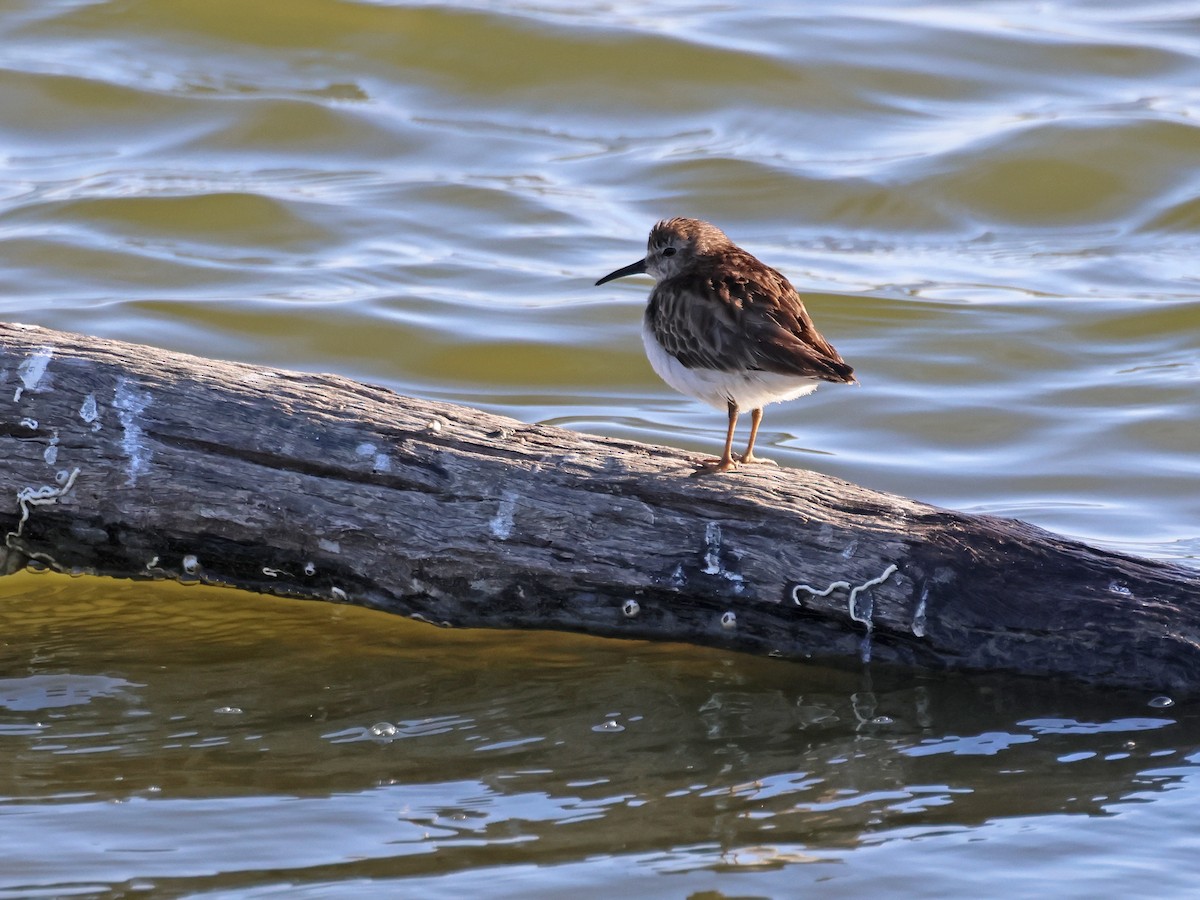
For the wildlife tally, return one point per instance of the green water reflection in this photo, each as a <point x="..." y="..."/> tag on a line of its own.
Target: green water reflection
<point x="145" y="724"/>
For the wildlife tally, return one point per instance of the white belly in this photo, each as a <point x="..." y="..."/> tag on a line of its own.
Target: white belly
<point x="749" y="390"/>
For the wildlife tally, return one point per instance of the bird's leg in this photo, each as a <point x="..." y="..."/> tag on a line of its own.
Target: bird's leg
<point x="726" y="462"/>
<point x="755" y="419"/>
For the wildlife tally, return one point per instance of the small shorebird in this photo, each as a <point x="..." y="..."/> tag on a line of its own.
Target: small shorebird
<point x="726" y="329"/>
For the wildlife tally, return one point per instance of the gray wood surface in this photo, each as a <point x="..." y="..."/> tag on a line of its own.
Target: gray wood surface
<point x="123" y="460"/>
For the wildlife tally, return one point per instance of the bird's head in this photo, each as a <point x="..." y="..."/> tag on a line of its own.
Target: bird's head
<point x="673" y="247"/>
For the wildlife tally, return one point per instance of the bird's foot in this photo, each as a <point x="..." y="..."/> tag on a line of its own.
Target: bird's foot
<point x="713" y="466"/>
<point x="748" y="458"/>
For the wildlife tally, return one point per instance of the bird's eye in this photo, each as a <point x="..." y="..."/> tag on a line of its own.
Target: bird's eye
<point x="669" y="251"/>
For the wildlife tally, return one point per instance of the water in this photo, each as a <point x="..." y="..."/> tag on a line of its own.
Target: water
<point x="166" y="739"/>
<point x="990" y="209"/>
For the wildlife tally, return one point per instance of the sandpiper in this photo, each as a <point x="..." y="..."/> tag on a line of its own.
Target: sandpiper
<point x="727" y="329"/>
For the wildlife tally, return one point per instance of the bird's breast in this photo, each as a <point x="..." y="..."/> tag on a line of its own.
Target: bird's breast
<point x="748" y="388"/>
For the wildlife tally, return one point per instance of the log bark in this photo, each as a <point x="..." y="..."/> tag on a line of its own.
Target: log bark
<point x="126" y="461"/>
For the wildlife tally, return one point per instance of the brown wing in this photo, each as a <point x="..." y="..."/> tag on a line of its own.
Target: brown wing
<point x="742" y="315"/>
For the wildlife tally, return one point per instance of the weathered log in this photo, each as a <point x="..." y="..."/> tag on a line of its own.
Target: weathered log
<point x="127" y="461"/>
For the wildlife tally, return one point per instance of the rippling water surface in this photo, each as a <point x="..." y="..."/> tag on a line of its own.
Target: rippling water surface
<point x="991" y="208"/>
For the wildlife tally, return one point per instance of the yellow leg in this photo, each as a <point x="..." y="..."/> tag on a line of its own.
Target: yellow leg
<point x="755" y="419"/>
<point x="726" y="462"/>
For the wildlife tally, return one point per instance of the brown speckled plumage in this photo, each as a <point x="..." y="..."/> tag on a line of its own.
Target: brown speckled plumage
<point x="729" y="312"/>
<point x="726" y="328"/>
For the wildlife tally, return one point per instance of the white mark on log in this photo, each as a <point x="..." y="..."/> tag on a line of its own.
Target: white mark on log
<point x="919" y="615"/>
<point x="383" y="463"/>
<point x="191" y="564"/>
<point x="712" y="557"/>
<point x="435" y="426"/>
<point x="678" y="577"/>
<point x="502" y="523"/>
<point x="32" y="370"/>
<point x="864" y="647"/>
<point x="712" y="549"/>
<point x="88" y="411"/>
<point x="1118" y="588"/>
<point x="310" y="569"/>
<point x="365" y="449"/>
<point x="338" y="594"/>
<point x="62" y="476"/>
<point x="275" y="573"/>
<point x="850" y="550"/>
<point x="631" y="608"/>
<point x="51" y="454"/>
<point x="130" y="404"/>
<point x="329" y="546"/>
<point x="862" y="613"/>
<point x="29" y="423"/>
<point x="40" y="496"/>
<point x="729" y="620"/>
<point x="887" y="573"/>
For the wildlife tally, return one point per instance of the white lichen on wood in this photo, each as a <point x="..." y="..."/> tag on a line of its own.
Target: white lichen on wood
<point x="920" y="614"/>
<point x="130" y="404"/>
<point x="88" y="410"/>
<point x="39" y="496"/>
<point x="712" y="549"/>
<point x="32" y="370"/>
<point x="712" y="557"/>
<point x="51" y="452"/>
<point x="501" y="525"/>
<point x="864" y="614"/>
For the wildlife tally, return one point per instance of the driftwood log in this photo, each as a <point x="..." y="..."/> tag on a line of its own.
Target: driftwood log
<point x="123" y="460"/>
